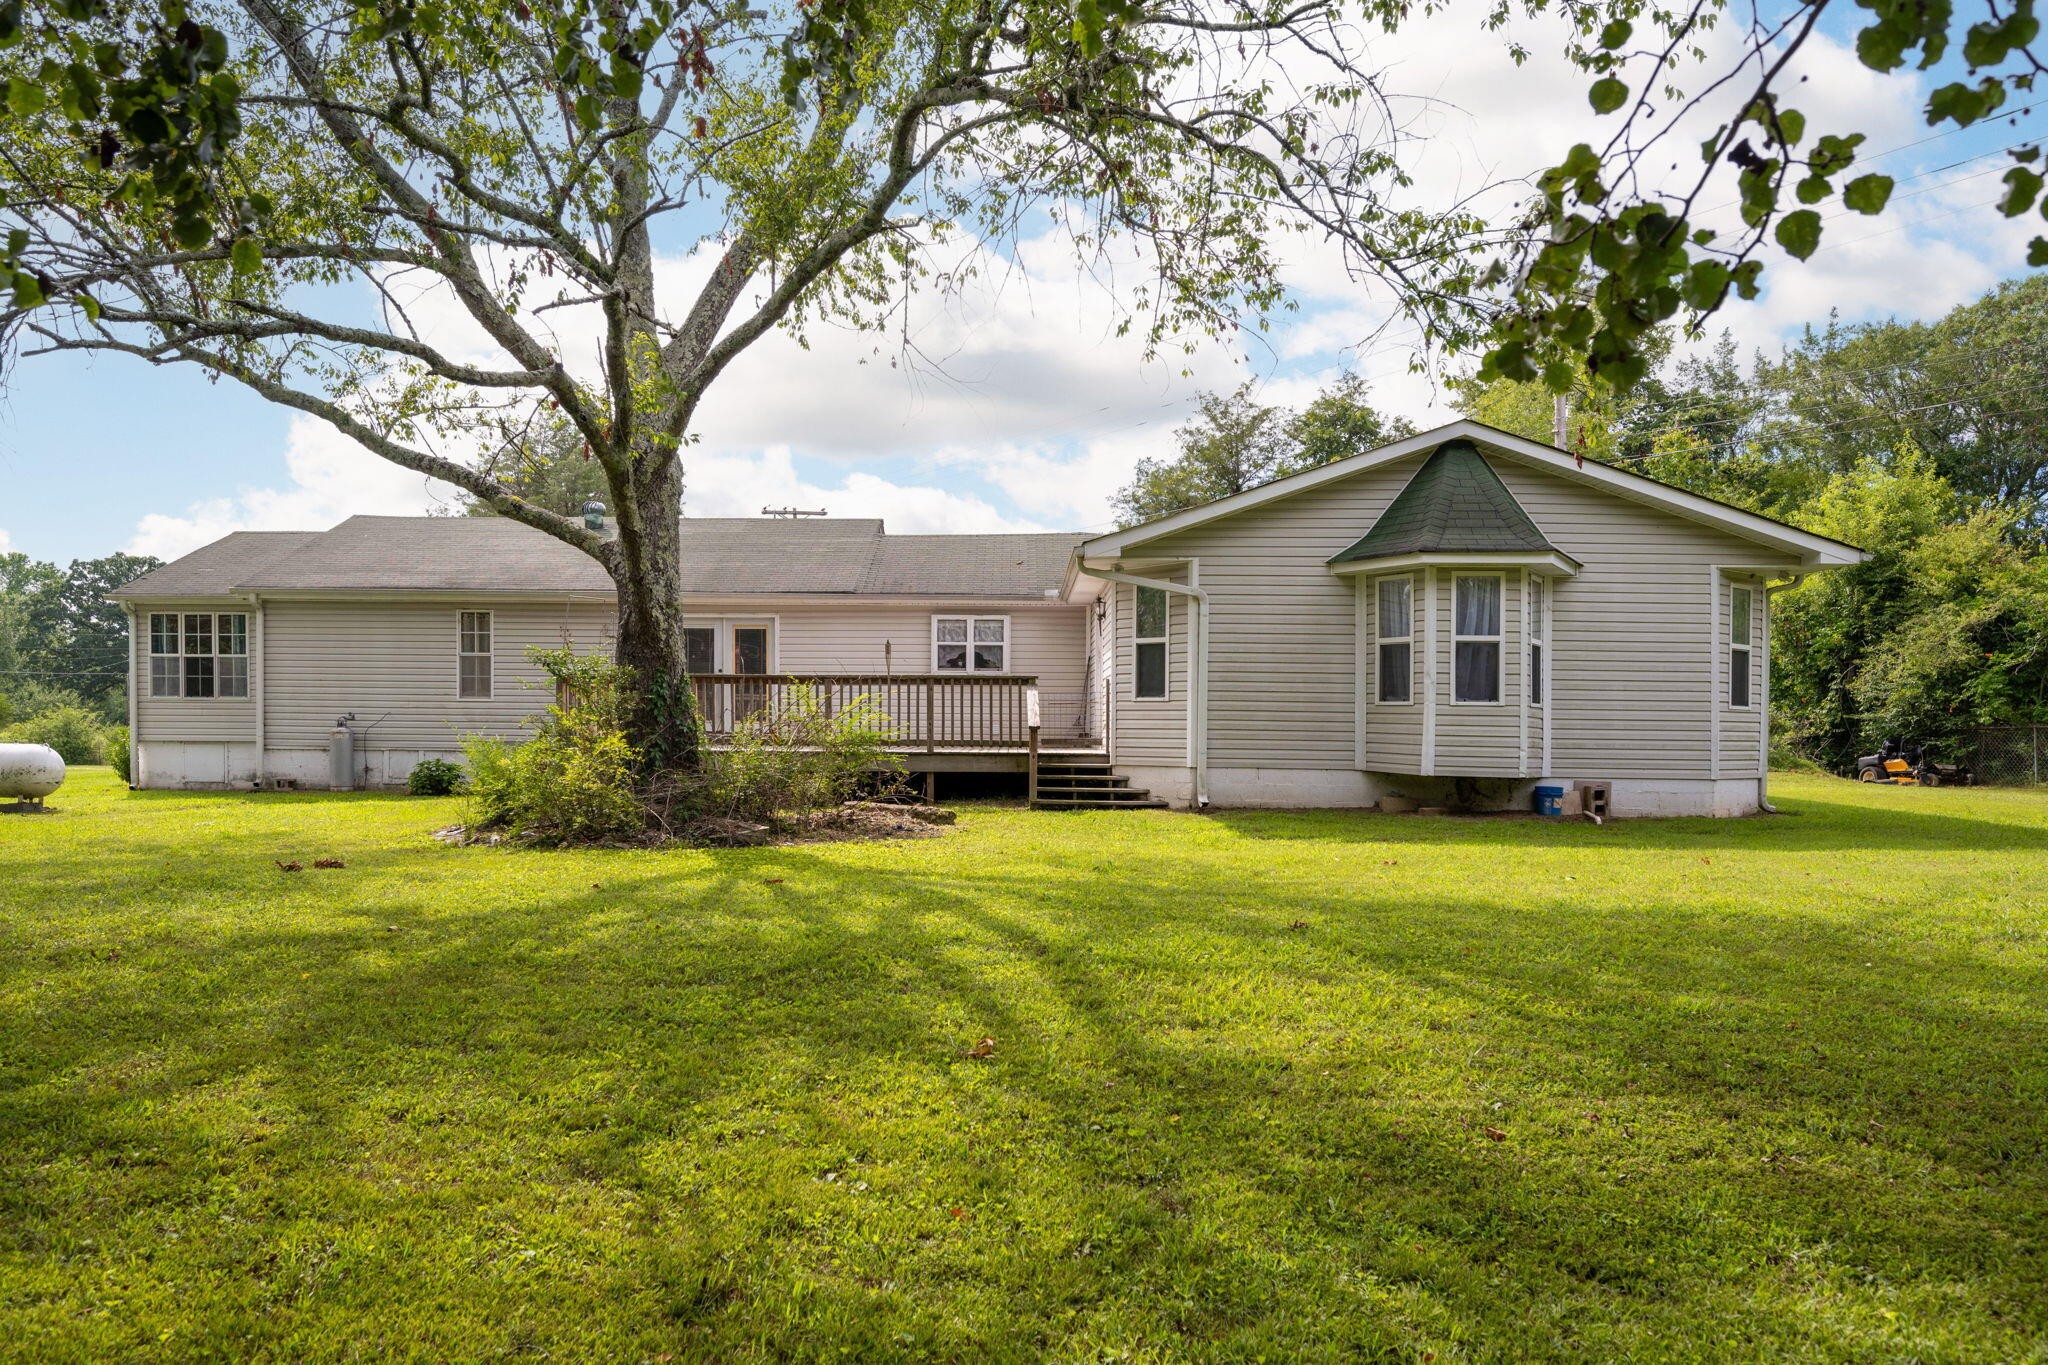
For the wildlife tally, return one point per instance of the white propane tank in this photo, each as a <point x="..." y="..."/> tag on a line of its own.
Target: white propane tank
<point x="29" y="771"/>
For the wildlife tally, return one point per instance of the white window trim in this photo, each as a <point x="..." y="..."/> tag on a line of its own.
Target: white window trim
<point x="1164" y="640"/>
<point x="1009" y="644"/>
<point x="1500" y="654"/>
<point x="491" y="654"/>
<point x="1745" y="648"/>
<point x="215" y="634"/>
<point x="1379" y="687"/>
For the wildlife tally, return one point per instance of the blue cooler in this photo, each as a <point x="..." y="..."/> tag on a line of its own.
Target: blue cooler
<point x="1550" y="800"/>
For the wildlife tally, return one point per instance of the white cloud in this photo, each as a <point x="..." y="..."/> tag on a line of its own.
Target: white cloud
<point x="6" y="542"/>
<point x="331" y="478"/>
<point x="738" y="485"/>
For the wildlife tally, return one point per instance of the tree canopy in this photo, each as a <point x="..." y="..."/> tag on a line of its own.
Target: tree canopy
<point x="1234" y="443"/>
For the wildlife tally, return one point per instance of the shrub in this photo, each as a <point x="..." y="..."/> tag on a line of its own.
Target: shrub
<point x="117" y="751"/>
<point x="72" y="730"/>
<point x="435" y="777"/>
<point x="574" y="781"/>
<point x="802" y="755"/>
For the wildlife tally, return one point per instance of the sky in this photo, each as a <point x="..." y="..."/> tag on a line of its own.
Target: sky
<point x="1021" y="410"/>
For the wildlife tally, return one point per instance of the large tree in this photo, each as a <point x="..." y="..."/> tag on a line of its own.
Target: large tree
<point x="507" y="157"/>
<point x="1234" y="442"/>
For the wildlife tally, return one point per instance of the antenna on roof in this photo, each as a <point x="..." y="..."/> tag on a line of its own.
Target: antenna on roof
<point x="790" y="513"/>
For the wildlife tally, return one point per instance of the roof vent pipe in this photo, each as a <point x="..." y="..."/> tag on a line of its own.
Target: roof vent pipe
<point x="593" y="515"/>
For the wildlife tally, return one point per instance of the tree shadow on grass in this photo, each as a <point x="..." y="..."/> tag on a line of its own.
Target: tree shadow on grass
<point x="1199" y="1119"/>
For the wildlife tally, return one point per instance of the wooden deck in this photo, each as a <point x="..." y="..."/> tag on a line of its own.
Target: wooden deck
<point x="924" y="713"/>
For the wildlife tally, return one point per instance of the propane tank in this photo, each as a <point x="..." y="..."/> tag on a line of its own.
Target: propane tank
<point x="341" y="755"/>
<point x="30" y="771"/>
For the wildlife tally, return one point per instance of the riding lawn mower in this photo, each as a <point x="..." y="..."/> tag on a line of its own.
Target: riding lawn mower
<point x="1907" y="765"/>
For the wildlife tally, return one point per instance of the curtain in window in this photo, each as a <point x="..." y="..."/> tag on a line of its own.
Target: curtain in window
<point x="1478" y="606"/>
<point x="1395" y="617"/>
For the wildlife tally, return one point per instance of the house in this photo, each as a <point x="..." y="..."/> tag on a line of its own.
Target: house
<point x="1456" y="616"/>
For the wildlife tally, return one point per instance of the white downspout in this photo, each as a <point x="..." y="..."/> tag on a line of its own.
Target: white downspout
<point x="1198" y="669"/>
<point x="1763" y="743"/>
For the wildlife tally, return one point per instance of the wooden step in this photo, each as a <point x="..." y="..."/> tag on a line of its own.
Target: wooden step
<point x="1093" y="803"/>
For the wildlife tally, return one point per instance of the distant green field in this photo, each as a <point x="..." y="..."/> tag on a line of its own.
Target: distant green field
<point x="1264" y="1086"/>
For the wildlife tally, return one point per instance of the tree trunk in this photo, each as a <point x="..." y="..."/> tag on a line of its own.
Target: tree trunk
<point x="646" y="567"/>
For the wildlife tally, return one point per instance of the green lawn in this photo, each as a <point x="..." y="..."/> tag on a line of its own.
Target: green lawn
<point x="1769" y="1089"/>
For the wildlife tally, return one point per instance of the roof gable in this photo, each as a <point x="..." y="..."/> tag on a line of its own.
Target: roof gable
<point x="1454" y="504"/>
<point x="1790" y="545"/>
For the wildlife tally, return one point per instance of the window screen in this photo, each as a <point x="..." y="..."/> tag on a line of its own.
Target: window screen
<point x="1396" y="639"/>
<point x="1148" y="673"/>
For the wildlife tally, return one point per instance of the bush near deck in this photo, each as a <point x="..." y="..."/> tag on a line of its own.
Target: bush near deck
<point x="1263" y="1086"/>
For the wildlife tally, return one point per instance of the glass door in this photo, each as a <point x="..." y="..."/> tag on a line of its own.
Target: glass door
<point x="749" y="659"/>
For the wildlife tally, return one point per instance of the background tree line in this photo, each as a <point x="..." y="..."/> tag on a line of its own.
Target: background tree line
<point x="1923" y="443"/>
<point x="64" y="654"/>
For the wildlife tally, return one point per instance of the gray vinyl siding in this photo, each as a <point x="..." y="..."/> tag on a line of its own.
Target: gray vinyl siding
<point x="1393" y="732"/>
<point x="1152" y="732"/>
<point x="394" y="665"/>
<point x="1634" y="637"/>
<point x="1478" y="739"/>
<point x="190" y="718"/>
<point x="1632" y="642"/>
<point x="1049" y="641"/>
<point x="1741" y="726"/>
<point x="1283" y="661"/>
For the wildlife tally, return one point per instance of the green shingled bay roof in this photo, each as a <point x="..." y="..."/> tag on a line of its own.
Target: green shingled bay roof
<point x="1455" y="504"/>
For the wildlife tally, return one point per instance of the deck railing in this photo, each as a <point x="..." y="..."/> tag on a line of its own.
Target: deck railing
<point x="927" y="711"/>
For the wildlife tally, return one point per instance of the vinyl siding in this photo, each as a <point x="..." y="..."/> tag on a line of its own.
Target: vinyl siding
<point x="1741" y="726"/>
<point x="1393" y="733"/>
<point x="1479" y="739"/>
<point x="1283" y="661"/>
<point x="1632" y="643"/>
<point x="1152" y="732"/>
<point x="394" y="665"/>
<point x="375" y="658"/>
<point x="190" y="718"/>
<point x="1634" y="636"/>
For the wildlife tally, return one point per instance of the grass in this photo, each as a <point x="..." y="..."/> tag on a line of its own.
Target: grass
<point x="1767" y="1089"/>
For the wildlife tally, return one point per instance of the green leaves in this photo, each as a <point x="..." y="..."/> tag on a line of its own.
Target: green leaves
<point x="2022" y="188"/>
<point x="1607" y="95"/>
<point x="1799" y="233"/>
<point x="246" y="255"/>
<point x="1867" y="193"/>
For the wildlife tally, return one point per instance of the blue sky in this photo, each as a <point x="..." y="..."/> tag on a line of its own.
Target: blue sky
<point x="1038" y="411"/>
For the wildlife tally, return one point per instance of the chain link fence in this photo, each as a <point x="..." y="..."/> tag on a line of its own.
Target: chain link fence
<point x="2012" y="755"/>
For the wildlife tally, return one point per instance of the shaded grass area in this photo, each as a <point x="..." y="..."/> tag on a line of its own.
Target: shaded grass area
<point x="1762" y="1089"/>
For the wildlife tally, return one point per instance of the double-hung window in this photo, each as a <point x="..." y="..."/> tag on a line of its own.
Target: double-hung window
<point x="1476" y="638"/>
<point x="198" y="654"/>
<point x="1396" y="639"/>
<point x="1537" y="615"/>
<point x="970" y="644"/>
<point x="473" y="657"/>
<point x="1148" y="645"/>
<point x="1739" y="602"/>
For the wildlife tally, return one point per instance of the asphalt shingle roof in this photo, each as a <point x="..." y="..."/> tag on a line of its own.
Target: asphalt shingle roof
<point x="1455" y="504"/>
<point x="217" y="568"/>
<point x="727" y="556"/>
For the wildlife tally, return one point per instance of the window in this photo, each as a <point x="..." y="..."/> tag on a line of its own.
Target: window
<point x="473" y="661"/>
<point x="700" y="649"/>
<point x="1475" y="638"/>
<point x="1536" y="637"/>
<point x="198" y="654"/>
<point x="1148" y="672"/>
<point x="1738" y="647"/>
<point x="970" y="644"/>
<point x="1397" y="639"/>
